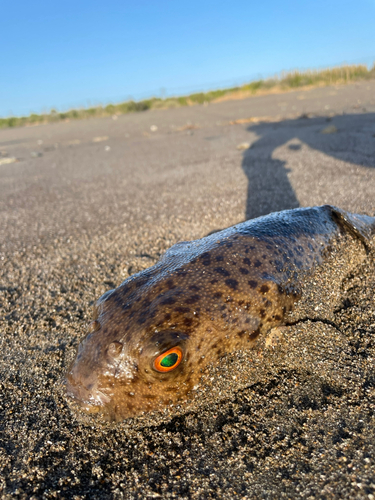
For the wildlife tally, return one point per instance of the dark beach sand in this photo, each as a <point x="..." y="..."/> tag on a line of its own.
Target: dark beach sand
<point x="78" y="216"/>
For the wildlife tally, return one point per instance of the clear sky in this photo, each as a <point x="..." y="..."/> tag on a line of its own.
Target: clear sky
<point x="78" y="53"/>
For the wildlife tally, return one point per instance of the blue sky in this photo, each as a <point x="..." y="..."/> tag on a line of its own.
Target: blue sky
<point x="79" y="53"/>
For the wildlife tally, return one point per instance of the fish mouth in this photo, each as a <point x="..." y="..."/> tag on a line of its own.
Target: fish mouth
<point x="90" y="399"/>
<point x="78" y="406"/>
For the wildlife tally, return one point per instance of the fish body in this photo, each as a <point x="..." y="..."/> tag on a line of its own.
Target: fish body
<point x="153" y="336"/>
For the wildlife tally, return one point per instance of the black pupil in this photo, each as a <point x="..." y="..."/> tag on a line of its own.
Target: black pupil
<point x="169" y="360"/>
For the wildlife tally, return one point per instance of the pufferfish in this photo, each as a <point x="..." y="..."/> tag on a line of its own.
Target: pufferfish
<point x="153" y="336"/>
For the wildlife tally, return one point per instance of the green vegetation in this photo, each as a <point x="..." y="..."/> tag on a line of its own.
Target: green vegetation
<point x="284" y="82"/>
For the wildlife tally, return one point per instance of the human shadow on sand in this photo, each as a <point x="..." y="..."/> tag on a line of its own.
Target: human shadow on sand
<point x="350" y="138"/>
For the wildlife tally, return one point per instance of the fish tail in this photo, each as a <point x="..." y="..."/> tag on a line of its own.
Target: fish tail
<point x="361" y="226"/>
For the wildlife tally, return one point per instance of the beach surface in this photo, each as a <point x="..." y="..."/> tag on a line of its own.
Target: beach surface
<point x="85" y="204"/>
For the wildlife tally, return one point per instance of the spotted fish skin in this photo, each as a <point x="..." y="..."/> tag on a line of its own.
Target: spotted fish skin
<point x="209" y="297"/>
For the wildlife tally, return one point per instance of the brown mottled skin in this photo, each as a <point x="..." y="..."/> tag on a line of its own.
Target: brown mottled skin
<point x="209" y="297"/>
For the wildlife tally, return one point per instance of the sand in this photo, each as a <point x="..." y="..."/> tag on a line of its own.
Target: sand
<point x="78" y="216"/>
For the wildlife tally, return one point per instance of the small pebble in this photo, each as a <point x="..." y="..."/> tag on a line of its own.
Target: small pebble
<point x="243" y="146"/>
<point x="331" y="129"/>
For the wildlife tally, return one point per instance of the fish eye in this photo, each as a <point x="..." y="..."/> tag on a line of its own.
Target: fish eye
<point x="169" y="360"/>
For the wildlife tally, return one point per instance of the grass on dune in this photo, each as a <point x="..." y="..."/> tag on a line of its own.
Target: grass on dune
<point x="283" y="82"/>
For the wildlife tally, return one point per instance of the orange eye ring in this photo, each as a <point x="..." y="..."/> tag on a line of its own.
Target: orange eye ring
<point x="169" y="360"/>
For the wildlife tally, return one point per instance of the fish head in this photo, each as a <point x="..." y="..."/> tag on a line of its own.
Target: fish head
<point x="139" y="354"/>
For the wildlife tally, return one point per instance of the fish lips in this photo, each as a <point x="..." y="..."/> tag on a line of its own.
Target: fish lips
<point x="85" y="395"/>
<point x="82" y="382"/>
